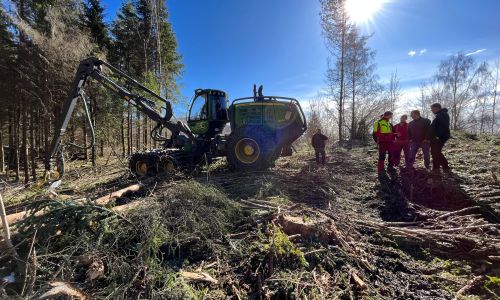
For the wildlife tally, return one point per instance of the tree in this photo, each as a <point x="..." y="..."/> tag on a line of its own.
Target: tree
<point x="458" y="75"/>
<point x="7" y="51"/>
<point x="394" y="91"/>
<point x="496" y="87"/>
<point x="361" y="79"/>
<point x="336" y="26"/>
<point x="94" y="20"/>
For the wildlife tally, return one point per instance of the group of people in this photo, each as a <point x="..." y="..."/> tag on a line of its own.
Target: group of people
<point x="408" y="138"/>
<point x="405" y="138"/>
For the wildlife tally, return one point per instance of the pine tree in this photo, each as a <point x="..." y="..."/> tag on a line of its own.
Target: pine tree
<point x="6" y="63"/>
<point x="126" y="53"/>
<point x="94" y="20"/>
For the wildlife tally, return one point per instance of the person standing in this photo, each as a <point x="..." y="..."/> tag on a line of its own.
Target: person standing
<point x="319" y="142"/>
<point x="418" y="135"/>
<point x="440" y="133"/>
<point x="384" y="137"/>
<point x="401" y="143"/>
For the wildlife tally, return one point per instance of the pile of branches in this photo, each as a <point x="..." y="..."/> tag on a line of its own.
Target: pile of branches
<point x="139" y="253"/>
<point x="460" y="234"/>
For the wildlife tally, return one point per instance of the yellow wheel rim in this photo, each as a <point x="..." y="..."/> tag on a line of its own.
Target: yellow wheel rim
<point x="247" y="150"/>
<point x="141" y="168"/>
<point x="167" y="165"/>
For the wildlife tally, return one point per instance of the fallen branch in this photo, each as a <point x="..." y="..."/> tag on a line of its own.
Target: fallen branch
<point x="471" y="284"/>
<point x="359" y="282"/>
<point x="6" y="230"/>
<point x="457" y="212"/>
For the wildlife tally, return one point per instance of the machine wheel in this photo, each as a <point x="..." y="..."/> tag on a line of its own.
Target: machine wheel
<point x="250" y="149"/>
<point x="140" y="165"/>
<point x="166" y="166"/>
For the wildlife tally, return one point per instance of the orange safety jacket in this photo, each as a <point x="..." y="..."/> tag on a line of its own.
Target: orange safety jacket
<point x="382" y="129"/>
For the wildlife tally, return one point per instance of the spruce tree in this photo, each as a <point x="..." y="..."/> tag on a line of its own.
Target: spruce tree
<point x="94" y="20"/>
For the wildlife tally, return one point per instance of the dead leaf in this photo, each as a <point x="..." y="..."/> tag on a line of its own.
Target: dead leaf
<point x="96" y="270"/>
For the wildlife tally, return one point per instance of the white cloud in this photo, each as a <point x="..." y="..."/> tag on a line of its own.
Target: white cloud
<point x="412" y="53"/>
<point x="475" y="52"/>
<point x="422" y="52"/>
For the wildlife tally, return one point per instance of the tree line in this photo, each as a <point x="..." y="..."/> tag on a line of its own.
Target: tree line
<point x="41" y="45"/>
<point x="355" y="96"/>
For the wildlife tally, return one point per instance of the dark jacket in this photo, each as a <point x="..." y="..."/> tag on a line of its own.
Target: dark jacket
<point x="318" y="140"/>
<point x="419" y="130"/>
<point x="441" y="125"/>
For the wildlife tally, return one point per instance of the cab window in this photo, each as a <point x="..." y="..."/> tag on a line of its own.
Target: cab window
<point x="219" y="107"/>
<point x="199" y="109"/>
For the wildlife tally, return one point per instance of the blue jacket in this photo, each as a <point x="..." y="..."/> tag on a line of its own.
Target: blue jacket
<point x="441" y="125"/>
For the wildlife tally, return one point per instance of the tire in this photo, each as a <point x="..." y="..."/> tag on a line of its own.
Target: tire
<point x="251" y="149"/>
<point x="141" y="165"/>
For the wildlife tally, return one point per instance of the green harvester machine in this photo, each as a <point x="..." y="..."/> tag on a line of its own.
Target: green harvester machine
<point x="252" y="132"/>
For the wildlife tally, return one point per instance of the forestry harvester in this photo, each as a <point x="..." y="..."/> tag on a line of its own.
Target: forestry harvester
<point x="262" y="127"/>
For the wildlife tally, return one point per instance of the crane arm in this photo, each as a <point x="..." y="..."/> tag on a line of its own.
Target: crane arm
<point x="92" y="67"/>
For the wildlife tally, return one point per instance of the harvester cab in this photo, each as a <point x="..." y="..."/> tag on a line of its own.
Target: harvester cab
<point x="208" y="112"/>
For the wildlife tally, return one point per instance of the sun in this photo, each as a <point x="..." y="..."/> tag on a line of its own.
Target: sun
<point x="362" y="11"/>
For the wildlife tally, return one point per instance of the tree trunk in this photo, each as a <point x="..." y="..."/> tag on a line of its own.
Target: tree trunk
<point x="138" y="133"/>
<point x="122" y="132"/>
<point x="101" y="149"/>
<point x="2" y="154"/>
<point x="46" y="142"/>
<point x="11" y="142"/>
<point x="341" y="96"/>
<point x="32" y="148"/>
<point x="24" y="136"/>
<point x="129" y="130"/>
<point x="16" y="141"/>
<point x="495" y="94"/>
<point x="145" y="138"/>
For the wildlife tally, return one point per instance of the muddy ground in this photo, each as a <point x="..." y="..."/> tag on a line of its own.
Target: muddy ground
<point x="297" y="231"/>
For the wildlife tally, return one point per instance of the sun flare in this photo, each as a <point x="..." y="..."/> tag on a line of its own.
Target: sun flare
<point x="362" y="11"/>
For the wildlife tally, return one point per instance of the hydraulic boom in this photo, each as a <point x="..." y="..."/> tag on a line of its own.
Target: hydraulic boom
<point x="92" y="68"/>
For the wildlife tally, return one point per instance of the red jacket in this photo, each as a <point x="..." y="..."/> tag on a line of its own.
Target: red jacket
<point x="401" y="130"/>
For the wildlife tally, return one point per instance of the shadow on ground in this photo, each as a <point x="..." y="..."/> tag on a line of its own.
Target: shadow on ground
<point x="402" y="190"/>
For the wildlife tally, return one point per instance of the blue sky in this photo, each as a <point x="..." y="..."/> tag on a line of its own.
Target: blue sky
<point x="230" y="45"/>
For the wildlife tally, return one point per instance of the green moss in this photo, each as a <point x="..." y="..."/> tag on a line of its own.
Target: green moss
<point x="280" y="246"/>
<point x="492" y="285"/>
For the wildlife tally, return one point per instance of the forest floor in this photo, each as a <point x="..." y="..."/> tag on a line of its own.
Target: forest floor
<point x="297" y="231"/>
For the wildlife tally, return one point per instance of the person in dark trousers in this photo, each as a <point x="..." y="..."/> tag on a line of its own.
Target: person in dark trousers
<point x="384" y="137"/>
<point x="319" y="142"/>
<point x="418" y="134"/>
<point x="401" y="144"/>
<point x="440" y="133"/>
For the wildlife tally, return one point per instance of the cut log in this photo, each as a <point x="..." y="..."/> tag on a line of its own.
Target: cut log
<point x="201" y="276"/>
<point x="61" y="288"/>
<point x="118" y="194"/>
